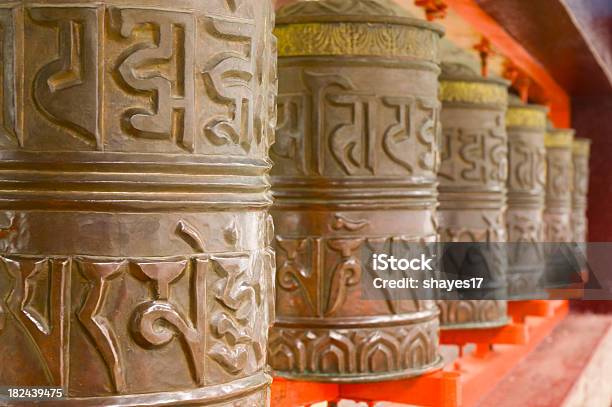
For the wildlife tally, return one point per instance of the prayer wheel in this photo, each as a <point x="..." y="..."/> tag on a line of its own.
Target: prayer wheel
<point x="472" y="192"/>
<point x="136" y="266"/>
<point x="580" y="157"/>
<point x="354" y="174"/>
<point x="526" y="126"/>
<point x="558" y="212"/>
<point x="559" y="176"/>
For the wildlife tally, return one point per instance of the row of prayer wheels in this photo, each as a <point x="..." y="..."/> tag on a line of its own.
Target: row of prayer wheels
<point x="381" y="144"/>
<point x="137" y="264"/>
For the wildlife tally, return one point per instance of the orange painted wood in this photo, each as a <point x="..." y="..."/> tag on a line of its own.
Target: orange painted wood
<point x="513" y="333"/>
<point x="293" y="393"/>
<point x="440" y="389"/>
<point x="519" y="310"/>
<point x="481" y="371"/>
<point x="558" y="99"/>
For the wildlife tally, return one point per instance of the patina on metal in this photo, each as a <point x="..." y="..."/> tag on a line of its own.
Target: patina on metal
<point x="354" y="174"/>
<point x="472" y="177"/>
<point x="135" y="266"/>
<point x="558" y="212"/>
<point x="526" y="126"/>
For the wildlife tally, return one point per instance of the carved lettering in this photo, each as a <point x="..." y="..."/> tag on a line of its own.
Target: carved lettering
<point x="238" y="295"/>
<point x="44" y="324"/>
<point x="319" y="84"/>
<point x="230" y="78"/>
<point x="429" y="134"/>
<point x="290" y="131"/>
<point x="161" y="68"/>
<point x="98" y="326"/>
<point x="346" y="274"/>
<point x="145" y="326"/>
<point x="353" y="144"/>
<point x="399" y="134"/>
<point x="293" y="274"/>
<point x="72" y="79"/>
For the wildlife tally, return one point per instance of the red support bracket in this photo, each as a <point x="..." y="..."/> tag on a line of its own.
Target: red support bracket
<point x="439" y="389"/>
<point x="289" y="393"/>
<point x="519" y="310"/>
<point x="511" y="334"/>
<point x="483" y="369"/>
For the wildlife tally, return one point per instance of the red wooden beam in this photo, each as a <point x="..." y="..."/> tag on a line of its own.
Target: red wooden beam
<point x="558" y="99"/>
<point x="511" y="334"/>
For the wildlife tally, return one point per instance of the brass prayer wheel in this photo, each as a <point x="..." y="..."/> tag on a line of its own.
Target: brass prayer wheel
<point x="136" y="266"/>
<point x="472" y="189"/>
<point x="559" y="184"/>
<point x="354" y="174"/>
<point x="526" y="126"/>
<point x="581" y="149"/>
<point x="558" y="212"/>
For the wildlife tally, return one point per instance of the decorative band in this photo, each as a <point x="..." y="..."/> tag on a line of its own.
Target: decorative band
<point x="526" y="117"/>
<point x="473" y="92"/>
<point x="356" y="38"/>
<point x="559" y="138"/>
<point x="581" y="146"/>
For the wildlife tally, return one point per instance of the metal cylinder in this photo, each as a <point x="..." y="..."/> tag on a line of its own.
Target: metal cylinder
<point x="559" y="185"/>
<point x="581" y="149"/>
<point x="135" y="265"/>
<point x="526" y="126"/>
<point x="472" y="190"/>
<point x="558" y="212"/>
<point x="354" y="174"/>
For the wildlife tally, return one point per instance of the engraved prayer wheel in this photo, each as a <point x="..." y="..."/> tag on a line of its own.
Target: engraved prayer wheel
<point x="526" y="126"/>
<point x="354" y="174"/>
<point x="472" y="177"/>
<point x="135" y="266"/>
<point x="558" y="212"/>
<point x="581" y="149"/>
<point x="559" y="176"/>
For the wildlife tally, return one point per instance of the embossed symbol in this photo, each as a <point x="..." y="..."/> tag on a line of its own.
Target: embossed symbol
<point x="161" y="70"/>
<point x="73" y="75"/>
<point x="230" y="79"/>
<point x="345" y="275"/>
<point x="237" y="296"/>
<point x="145" y="324"/>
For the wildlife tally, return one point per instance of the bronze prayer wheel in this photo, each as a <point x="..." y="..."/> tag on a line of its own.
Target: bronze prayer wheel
<point x="581" y="148"/>
<point x="580" y="156"/>
<point x="135" y="265"/>
<point x="472" y="176"/>
<point x="526" y="126"/>
<point x="558" y="212"/>
<point x="354" y="174"/>
<point x="559" y="184"/>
